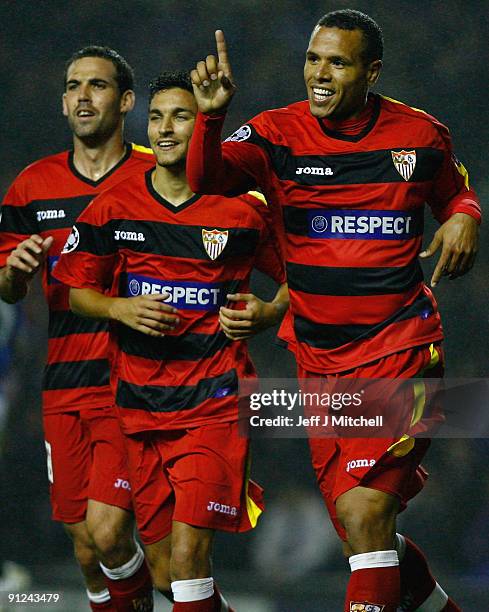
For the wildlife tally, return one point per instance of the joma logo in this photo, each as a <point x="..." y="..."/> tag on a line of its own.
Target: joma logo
<point x="359" y="463"/>
<point x="134" y="236"/>
<point x="315" y="170"/>
<point x="222" y="508"/>
<point x="43" y="215"/>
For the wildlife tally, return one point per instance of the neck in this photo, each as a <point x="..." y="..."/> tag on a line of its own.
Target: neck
<point x="171" y="183"/>
<point x="355" y="123"/>
<point x="94" y="159"/>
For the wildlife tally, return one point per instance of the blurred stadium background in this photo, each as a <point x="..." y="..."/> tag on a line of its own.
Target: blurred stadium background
<point x="435" y="59"/>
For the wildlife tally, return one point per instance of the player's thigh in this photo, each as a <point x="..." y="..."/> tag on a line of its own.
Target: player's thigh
<point x="209" y="479"/>
<point x="68" y="465"/>
<point x="109" y="476"/>
<point x="153" y="498"/>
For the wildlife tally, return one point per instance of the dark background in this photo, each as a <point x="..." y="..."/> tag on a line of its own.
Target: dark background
<point x="436" y="59"/>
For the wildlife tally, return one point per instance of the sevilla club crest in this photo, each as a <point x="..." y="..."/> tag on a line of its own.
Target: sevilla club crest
<point x="405" y="162"/>
<point x="214" y="241"/>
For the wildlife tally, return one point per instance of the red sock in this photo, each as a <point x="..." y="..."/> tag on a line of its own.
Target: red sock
<point x="375" y="581"/>
<point x="106" y="606"/>
<point x="202" y="605"/>
<point x="132" y="593"/>
<point x="220" y="604"/>
<point x="451" y="606"/>
<point x="417" y="581"/>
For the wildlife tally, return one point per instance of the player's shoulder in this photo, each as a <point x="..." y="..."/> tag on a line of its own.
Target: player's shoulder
<point x="140" y="152"/>
<point x="283" y="113"/>
<point x="410" y="113"/>
<point x="50" y="163"/>
<point x="254" y="205"/>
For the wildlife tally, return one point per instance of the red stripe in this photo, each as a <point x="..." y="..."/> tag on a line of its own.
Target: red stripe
<point x="66" y="400"/>
<point x="343" y="310"/>
<point x="356" y="253"/>
<point x="141" y="371"/>
<point x="78" y="347"/>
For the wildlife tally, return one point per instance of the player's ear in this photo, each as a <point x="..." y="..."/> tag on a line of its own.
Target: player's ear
<point x="373" y="72"/>
<point x="65" y="108"/>
<point x="128" y="100"/>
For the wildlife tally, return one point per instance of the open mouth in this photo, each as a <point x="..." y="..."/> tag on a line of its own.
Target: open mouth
<point x="166" y="145"/>
<point x="322" y="94"/>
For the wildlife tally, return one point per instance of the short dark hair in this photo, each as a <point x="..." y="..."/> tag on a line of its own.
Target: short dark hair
<point x="169" y="80"/>
<point x="348" y="19"/>
<point x="124" y="72"/>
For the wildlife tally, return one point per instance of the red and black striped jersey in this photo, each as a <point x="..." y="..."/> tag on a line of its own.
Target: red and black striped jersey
<point x="46" y="199"/>
<point x="130" y="241"/>
<point x="350" y="209"/>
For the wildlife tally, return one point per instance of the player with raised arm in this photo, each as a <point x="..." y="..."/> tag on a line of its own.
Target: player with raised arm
<point x="89" y="487"/>
<point x="160" y="263"/>
<point x="347" y="174"/>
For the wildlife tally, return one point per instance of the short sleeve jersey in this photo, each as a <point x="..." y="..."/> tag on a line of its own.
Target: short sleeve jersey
<point x="351" y="212"/>
<point x="45" y="199"/>
<point x="129" y="242"/>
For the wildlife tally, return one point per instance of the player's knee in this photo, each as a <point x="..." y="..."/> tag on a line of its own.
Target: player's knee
<point x="113" y="544"/>
<point x="369" y="525"/>
<point x="86" y="555"/>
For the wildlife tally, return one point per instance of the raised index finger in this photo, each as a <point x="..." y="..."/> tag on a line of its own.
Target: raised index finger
<point x="222" y="52"/>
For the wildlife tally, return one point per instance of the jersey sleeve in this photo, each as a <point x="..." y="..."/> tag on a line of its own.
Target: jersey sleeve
<point x="451" y="191"/>
<point x="231" y="168"/>
<point x="17" y="220"/>
<point x="89" y="256"/>
<point x="268" y="256"/>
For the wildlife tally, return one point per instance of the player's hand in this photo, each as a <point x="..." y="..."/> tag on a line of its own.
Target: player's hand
<point x="243" y="324"/>
<point x="459" y="240"/>
<point x="145" y="313"/>
<point x="26" y="259"/>
<point x="212" y="80"/>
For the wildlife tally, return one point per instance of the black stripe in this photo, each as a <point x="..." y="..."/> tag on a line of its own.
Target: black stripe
<point x="18" y="220"/>
<point x="364" y="167"/>
<point x="166" y="239"/>
<point x="76" y="374"/>
<point x="328" y="337"/>
<point x="322" y="280"/>
<point x="44" y="215"/>
<point x="188" y="347"/>
<point x="296" y="219"/>
<point x="155" y="398"/>
<point x="64" y="323"/>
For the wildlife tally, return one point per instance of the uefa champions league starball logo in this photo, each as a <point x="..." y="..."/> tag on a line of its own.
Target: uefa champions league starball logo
<point x="243" y="133"/>
<point x="73" y="241"/>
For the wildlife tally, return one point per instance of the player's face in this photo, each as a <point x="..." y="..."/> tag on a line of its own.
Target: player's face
<point x="92" y="101"/>
<point x="170" y="125"/>
<point x="336" y="77"/>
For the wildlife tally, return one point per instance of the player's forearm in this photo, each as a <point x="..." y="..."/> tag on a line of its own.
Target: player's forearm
<point x="13" y="287"/>
<point x="91" y="303"/>
<point x="280" y="303"/>
<point x="207" y="169"/>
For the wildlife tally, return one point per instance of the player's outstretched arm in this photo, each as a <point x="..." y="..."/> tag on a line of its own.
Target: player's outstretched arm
<point x="257" y="316"/>
<point x="212" y="80"/>
<point x="459" y="239"/>
<point x="145" y="313"/>
<point x="22" y="264"/>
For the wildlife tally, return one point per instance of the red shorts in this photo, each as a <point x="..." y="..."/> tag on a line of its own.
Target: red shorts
<point x="197" y="476"/>
<point x="391" y="465"/>
<point x="86" y="460"/>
